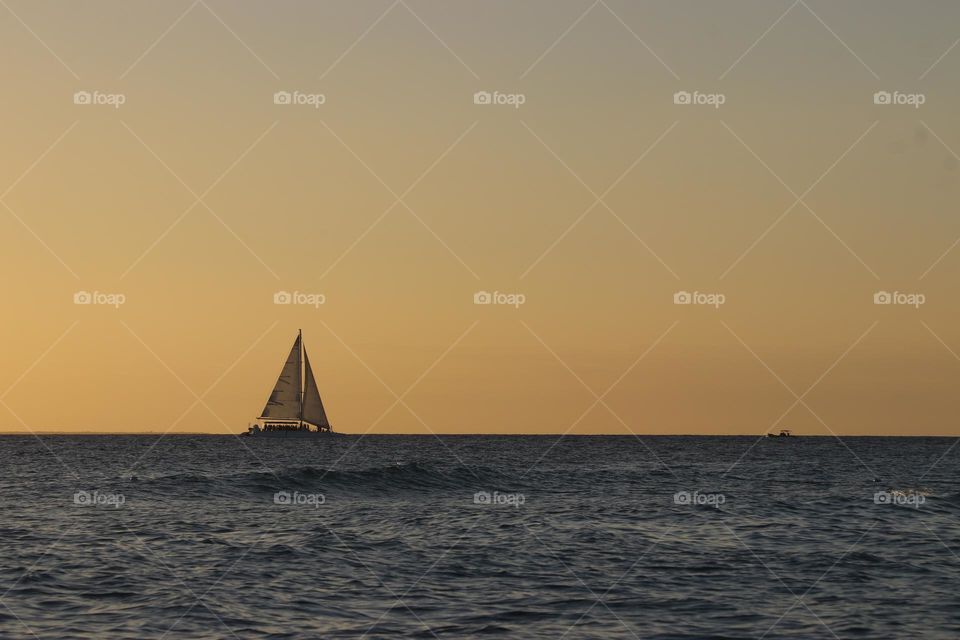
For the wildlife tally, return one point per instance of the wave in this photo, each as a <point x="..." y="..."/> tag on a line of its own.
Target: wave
<point x="412" y="476"/>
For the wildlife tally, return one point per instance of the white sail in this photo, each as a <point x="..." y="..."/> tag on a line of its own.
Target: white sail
<point x="284" y="401"/>
<point x="313" y="411"/>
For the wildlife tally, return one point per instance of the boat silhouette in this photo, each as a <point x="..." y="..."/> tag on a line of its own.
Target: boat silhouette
<point x="294" y="408"/>
<point x="784" y="433"/>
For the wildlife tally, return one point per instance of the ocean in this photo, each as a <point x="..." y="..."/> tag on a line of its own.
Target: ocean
<point x="479" y="537"/>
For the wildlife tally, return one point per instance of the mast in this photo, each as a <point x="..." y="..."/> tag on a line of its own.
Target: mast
<point x="300" y="370"/>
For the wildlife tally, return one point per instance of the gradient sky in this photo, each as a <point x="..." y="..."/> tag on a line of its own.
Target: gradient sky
<point x="293" y="198"/>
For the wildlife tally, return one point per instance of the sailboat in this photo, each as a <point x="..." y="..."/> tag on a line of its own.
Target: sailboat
<point x="294" y="408"/>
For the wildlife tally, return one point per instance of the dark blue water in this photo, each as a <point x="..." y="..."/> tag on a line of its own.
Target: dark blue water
<point x="479" y="537"/>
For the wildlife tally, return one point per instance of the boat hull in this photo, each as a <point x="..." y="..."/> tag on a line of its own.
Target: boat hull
<point x="282" y="435"/>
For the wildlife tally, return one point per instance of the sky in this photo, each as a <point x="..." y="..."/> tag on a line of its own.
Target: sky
<point x="177" y="165"/>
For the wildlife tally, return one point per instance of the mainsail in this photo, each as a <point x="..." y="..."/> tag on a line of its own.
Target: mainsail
<point x="284" y="401"/>
<point x="312" y="404"/>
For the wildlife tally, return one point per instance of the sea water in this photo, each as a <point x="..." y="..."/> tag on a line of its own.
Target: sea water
<point x="479" y="537"/>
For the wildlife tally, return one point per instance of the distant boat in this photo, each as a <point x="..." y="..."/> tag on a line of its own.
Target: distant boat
<point x="294" y="408"/>
<point x="784" y="433"/>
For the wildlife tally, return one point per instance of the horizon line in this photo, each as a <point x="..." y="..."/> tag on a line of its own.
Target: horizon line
<point x="507" y="435"/>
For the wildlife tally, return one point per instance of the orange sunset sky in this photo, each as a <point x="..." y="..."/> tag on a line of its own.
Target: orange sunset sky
<point x="185" y="188"/>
